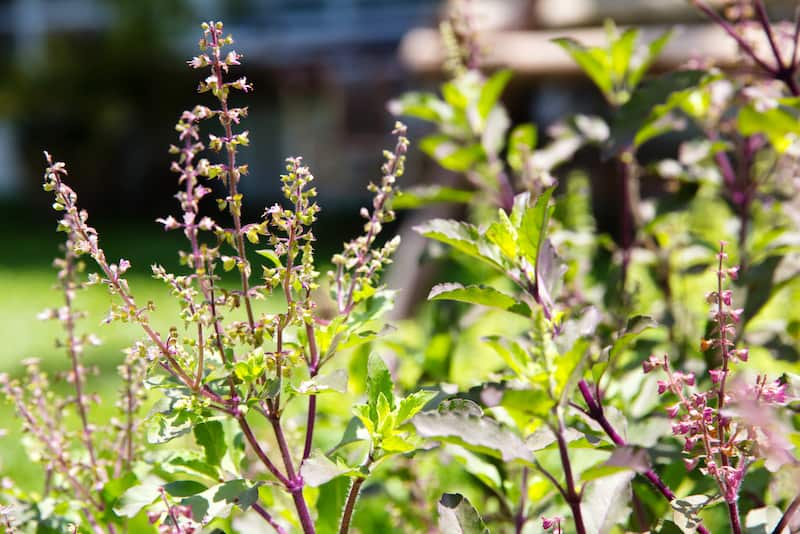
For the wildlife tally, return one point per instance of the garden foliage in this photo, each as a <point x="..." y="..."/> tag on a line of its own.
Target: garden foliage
<point x="558" y="379"/>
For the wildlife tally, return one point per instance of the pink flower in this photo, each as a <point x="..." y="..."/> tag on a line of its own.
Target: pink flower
<point x="716" y="375"/>
<point x="551" y="522"/>
<point x="774" y="393"/>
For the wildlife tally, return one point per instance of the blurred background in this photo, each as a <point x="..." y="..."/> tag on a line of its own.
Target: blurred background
<point x="101" y="83"/>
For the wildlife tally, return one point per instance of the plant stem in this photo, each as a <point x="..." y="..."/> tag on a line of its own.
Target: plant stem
<point x="77" y="368"/>
<point x="233" y="179"/>
<point x="313" y="369"/>
<point x="350" y="505"/>
<point x="787" y="516"/>
<point x="352" y="496"/>
<point x="520" y="518"/>
<point x="260" y="510"/>
<point x="295" y="482"/>
<point x="251" y="439"/>
<point x="572" y="496"/>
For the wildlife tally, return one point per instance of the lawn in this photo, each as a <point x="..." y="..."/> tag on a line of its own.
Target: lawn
<point x="27" y="287"/>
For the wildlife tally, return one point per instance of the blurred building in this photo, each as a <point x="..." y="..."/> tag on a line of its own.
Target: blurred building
<point x="323" y="71"/>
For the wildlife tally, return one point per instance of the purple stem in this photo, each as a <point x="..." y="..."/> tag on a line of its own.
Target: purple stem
<point x="295" y="485"/>
<point x="595" y="411"/>
<point x="260" y="510"/>
<point x="572" y="496"/>
<point x="313" y="369"/>
<point x="787" y="516"/>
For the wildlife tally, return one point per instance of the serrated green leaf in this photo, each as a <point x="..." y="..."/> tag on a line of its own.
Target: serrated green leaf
<point x="533" y="226"/>
<point x="318" y="469"/>
<point x="604" y="502"/>
<point x="654" y="48"/>
<point x="475" y="432"/>
<point x="412" y="404"/>
<point x="458" y="516"/>
<point x="463" y="237"/>
<point x="594" y="62"/>
<point x="379" y="382"/>
<point x="481" y="295"/>
<point x="503" y="234"/>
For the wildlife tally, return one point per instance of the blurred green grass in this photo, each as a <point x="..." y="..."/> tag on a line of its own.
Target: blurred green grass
<point x="27" y="286"/>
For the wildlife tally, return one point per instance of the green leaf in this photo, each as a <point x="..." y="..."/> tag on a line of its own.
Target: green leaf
<point x="416" y="197"/>
<point x="412" y="404"/>
<point x="184" y="488"/>
<point x="463" y="237"/>
<point x="481" y="295"/>
<point x="780" y="124"/>
<point x="335" y="381"/>
<point x="685" y="511"/>
<point x="458" y="516"/>
<point x="491" y="91"/>
<point x="113" y="489"/>
<point x="604" y="502"/>
<point x="515" y="356"/>
<point x="635" y="326"/>
<point x="451" y="155"/>
<point x="318" y="469"/>
<point x="465" y="425"/>
<point x="211" y="436"/>
<point x="533" y="226"/>
<point x="621" y="51"/>
<point x="503" y="234"/>
<point x="521" y="141"/>
<point x="271" y="256"/>
<point x="648" y="104"/>
<point x="653" y="50"/>
<point x="136" y="498"/>
<point x="425" y="106"/>
<point x="594" y="62"/>
<point x="493" y="137"/>
<point x="478" y="467"/>
<point x="569" y="369"/>
<point x="238" y="492"/>
<point x="379" y="382"/>
<point x="762" y="520"/>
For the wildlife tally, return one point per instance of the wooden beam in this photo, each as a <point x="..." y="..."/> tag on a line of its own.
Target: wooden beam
<point x="533" y="53"/>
